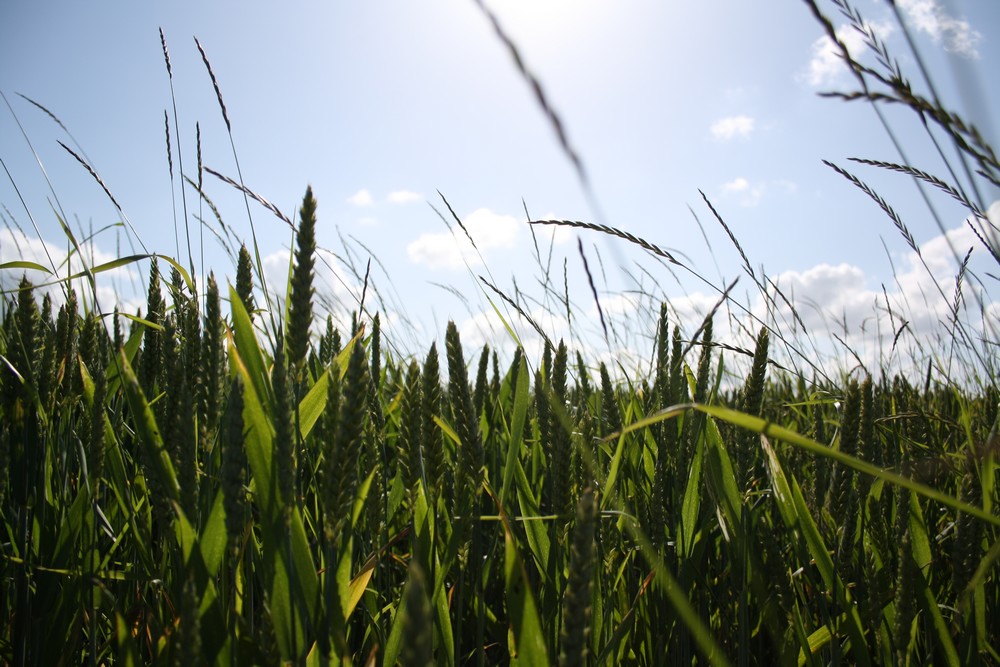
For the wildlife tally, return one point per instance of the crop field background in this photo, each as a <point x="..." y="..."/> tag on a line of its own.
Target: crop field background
<point x="232" y="477"/>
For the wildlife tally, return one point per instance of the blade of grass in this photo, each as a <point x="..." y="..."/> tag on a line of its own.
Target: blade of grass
<point x="772" y="430"/>
<point x="521" y="399"/>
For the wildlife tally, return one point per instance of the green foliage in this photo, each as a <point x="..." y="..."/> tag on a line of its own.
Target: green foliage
<point x="577" y="608"/>
<point x="250" y="536"/>
<point x="152" y="349"/>
<point x="233" y="466"/>
<point x="417" y="621"/>
<point x="213" y="359"/>
<point x="436" y="463"/>
<point x="409" y="445"/>
<point x="284" y="431"/>
<point x="469" y="446"/>
<point x="201" y="490"/>
<point x="850" y="577"/>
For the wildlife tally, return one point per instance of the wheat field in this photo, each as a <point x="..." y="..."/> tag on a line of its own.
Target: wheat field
<point x="227" y="477"/>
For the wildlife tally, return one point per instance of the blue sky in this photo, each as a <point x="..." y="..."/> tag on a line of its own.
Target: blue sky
<point x="380" y="105"/>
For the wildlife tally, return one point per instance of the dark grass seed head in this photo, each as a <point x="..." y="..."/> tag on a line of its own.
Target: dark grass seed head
<point x="215" y="84"/>
<point x="234" y="464"/>
<point x="300" y="311"/>
<point x="244" y="281"/>
<point x="284" y="432"/>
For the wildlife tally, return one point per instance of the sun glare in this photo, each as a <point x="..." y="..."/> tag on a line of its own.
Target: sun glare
<point x="548" y="25"/>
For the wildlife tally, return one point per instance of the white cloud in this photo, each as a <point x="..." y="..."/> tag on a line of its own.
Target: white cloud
<point x="441" y="251"/>
<point x="479" y="329"/>
<point x="403" y="197"/>
<point x="828" y="293"/>
<point x="557" y="234"/>
<point x="738" y="184"/>
<point x="361" y="198"/>
<point x="725" y="129"/>
<point x="926" y="284"/>
<point x="122" y="286"/>
<point x="838" y="299"/>
<point x="335" y="291"/>
<point x="276" y="266"/>
<point x="692" y="308"/>
<point x="452" y="249"/>
<point x="750" y="194"/>
<point x="827" y="64"/>
<point x="368" y="221"/>
<point x="626" y="304"/>
<point x="790" y="187"/>
<point x="486" y="327"/>
<point x="492" y="230"/>
<point x="930" y="17"/>
<point x="562" y="235"/>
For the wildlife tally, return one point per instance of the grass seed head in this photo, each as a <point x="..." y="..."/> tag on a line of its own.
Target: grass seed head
<point x="300" y="310"/>
<point x="244" y="281"/>
<point x="234" y="465"/>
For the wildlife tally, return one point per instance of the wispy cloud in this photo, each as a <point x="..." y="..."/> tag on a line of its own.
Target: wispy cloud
<point x="738" y="184"/>
<point x="403" y="197"/>
<point x="731" y="127"/>
<point x="361" y="198"/>
<point x="751" y="193"/>
<point x="930" y="17"/>
<point x="826" y="64"/>
<point x="452" y="250"/>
